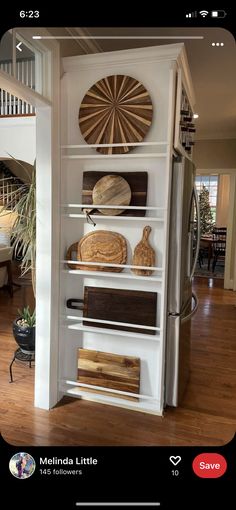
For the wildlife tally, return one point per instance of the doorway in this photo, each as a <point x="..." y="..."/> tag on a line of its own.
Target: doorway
<point x="214" y="198"/>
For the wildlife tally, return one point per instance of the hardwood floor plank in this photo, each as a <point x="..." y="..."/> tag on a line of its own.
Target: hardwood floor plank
<point x="207" y="415"/>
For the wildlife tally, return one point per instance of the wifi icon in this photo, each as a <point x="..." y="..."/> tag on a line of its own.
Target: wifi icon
<point x="204" y="13"/>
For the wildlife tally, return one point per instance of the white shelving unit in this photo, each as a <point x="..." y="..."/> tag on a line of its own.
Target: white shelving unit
<point x="156" y="68"/>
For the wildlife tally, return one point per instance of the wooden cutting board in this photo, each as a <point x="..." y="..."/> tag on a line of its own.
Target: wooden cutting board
<point x="109" y="371"/>
<point x="138" y="182"/>
<point x="114" y="190"/>
<point x="144" y="255"/>
<point x="99" y="246"/>
<point x="116" y="109"/>
<point x="133" y="306"/>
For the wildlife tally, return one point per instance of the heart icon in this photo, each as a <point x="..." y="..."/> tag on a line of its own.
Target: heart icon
<point x="175" y="460"/>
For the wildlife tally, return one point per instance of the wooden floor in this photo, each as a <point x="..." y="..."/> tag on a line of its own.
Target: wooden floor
<point x="207" y="415"/>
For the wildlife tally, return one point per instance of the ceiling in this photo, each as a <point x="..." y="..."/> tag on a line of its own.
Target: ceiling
<point x="213" y="69"/>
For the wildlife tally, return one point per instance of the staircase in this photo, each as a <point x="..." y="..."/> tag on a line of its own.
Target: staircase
<point x="25" y="72"/>
<point x="9" y="184"/>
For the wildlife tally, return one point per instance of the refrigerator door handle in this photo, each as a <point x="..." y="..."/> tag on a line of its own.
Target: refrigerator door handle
<point x="195" y="197"/>
<point x="192" y="313"/>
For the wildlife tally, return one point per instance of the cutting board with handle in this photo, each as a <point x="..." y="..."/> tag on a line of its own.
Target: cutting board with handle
<point x="99" y="246"/>
<point x="144" y="254"/>
<point x="132" y="306"/>
<point x="109" y="370"/>
<point x="137" y="181"/>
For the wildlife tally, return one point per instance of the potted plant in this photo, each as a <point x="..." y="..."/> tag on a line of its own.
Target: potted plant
<point x="24" y="330"/>
<point x="24" y="227"/>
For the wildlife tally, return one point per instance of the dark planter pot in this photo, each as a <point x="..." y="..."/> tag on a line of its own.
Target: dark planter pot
<point x="24" y="337"/>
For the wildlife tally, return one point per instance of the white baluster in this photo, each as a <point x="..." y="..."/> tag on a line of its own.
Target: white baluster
<point x="10" y="96"/>
<point x="27" y="83"/>
<point x="22" y="70"/>
<point x="2" y="111"/>
<point x="14" y="105"/>
<point x="10" y="104"/>
<point x="18" y="78"/>
<point x="30" y="81"/>
<point x="33" y="75"/>
<point x="3" y="191"/>
<point x="23" y="81"/>
<point x="4" y="93"/>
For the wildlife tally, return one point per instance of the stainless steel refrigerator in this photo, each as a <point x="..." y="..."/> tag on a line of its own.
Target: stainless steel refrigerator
<point x="182" y="302"/>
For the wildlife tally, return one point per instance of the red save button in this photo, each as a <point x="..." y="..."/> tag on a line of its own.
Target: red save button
<point x="209" y="465"/>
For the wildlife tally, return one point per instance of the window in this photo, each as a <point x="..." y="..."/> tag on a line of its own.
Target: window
<point x="211" y="183"/>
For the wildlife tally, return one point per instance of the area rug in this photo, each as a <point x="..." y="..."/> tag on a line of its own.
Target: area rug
<point x="205" y="273"/>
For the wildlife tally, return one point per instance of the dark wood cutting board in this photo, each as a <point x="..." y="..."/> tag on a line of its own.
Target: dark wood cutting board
<point x="138" y="182"/>
<point x="133" y="306"/>
<point x="109" y="371"/>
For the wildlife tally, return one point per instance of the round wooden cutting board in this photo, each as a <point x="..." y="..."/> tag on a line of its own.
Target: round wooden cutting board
<point x="100" y="246"/>
<point x="111" y="190"/>
<point x="116" y="109"/>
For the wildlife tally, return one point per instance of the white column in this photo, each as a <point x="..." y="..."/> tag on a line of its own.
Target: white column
<point x="48" y="246"/>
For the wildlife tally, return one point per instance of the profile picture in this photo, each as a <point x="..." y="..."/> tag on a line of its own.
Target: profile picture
<point x="22" y="465"/>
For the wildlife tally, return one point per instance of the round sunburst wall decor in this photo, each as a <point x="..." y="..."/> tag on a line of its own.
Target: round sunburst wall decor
<point x="116" y="109"/>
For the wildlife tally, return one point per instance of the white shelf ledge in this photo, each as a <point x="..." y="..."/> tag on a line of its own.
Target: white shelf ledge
<point x="108" y="264"/>
<point x="108" y="390"/>
<point x="146" y="406"/>
<point x="112" y="323"/>
<point x="115" y="332"/>
<point x="125" y="144"/>
<point x="114" y="218"/>
<point x="116" y="156"/>
<point x="106" y="274"/>
<point x="127" y="207"/>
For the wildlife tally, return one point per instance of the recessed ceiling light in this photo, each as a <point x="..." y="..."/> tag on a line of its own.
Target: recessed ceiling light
<point x="195" y="115"/>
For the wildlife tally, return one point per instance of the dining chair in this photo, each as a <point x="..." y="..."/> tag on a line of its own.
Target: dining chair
<point x="219" y="235"/>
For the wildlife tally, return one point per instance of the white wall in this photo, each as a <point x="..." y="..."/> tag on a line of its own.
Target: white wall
<point x="18" y="138"/>
<point x="213" y="154"/>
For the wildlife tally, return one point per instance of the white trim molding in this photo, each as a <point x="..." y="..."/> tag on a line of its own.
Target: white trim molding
<point x="126" y="57"/>
<point x="230" y="259"/>
<point x="150" y="54"/>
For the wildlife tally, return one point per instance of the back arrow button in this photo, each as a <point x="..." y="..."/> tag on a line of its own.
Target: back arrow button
<point x="19" y="46"/>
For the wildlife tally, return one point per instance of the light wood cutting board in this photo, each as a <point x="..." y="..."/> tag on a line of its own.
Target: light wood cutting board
<point x="111" y="190"/>
<point x="99" y="246"/>
<point x="109" y="370"/>
<point x="144" y="254"/>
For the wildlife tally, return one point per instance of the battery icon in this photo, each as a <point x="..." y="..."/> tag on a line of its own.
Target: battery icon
<point x="218" y="14"/>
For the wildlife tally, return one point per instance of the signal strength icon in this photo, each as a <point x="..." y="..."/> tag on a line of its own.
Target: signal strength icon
<point x="191" y="14"/>
<point x="204" y="13"/>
